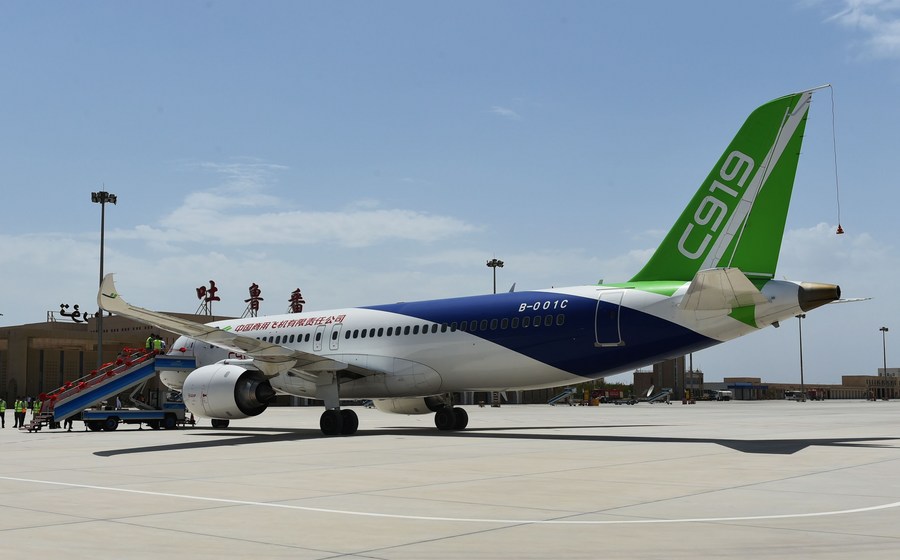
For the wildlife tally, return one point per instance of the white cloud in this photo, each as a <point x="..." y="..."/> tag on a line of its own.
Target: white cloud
<point x="354" y="228"/>
<point x="238" y="233"/>
<point x="506" y="112"/>
<point x="878" y="20"/>
<point x="238" y="212"/>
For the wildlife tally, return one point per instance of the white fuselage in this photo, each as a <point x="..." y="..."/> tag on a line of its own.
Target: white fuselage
<point x="491" y="342"/>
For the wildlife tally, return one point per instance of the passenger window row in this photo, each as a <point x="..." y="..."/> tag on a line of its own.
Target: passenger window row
<point x="475" y="325"/>
<point x="288" y="339"/>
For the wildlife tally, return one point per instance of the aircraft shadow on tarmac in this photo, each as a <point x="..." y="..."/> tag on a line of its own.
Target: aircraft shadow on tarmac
<point x="252" y="436"/>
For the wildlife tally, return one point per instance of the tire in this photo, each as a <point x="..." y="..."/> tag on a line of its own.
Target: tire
<point x="154" y="424"/>
<point x="445" y="419"/>
<point x="461" y="418"/>
<point x="170" y="422"/>
<point x="219" y="424"/>
<point x="349" y="422"/>
<point x="331" y="422"/>
<point x="94" y="425"/>
<point x="110" y="424"/>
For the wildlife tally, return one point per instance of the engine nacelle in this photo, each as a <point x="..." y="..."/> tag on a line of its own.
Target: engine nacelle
<point x="227" y="392"/>
<point x="410" y="405"/>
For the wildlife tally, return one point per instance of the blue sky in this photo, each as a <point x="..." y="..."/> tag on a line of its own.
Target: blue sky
<point x="370" y="152"/>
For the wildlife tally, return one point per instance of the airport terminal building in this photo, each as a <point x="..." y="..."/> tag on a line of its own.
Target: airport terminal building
<point x="39" y="357"/>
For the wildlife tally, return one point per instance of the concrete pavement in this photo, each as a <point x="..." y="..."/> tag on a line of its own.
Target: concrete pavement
<point x="768" y="479"/>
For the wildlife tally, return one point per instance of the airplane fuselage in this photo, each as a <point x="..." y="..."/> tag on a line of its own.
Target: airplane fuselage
<point x="502" y="341"/>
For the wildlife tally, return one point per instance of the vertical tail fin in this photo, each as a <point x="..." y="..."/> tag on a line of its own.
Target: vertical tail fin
<point x="737" y="217"/>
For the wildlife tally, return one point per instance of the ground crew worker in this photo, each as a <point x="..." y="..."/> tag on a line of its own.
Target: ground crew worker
<point x="36" y="409"/>
<point x="3" y="412"/>
<point x="158" y="345"/>
<point x="19" y="411"/>
<point x="148" y="345"/>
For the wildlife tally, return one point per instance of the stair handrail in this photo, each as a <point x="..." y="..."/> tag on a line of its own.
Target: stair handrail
<point x="129" y="358"/>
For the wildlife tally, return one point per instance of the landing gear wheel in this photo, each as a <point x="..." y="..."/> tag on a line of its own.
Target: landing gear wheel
<point x="462" y="418"/>
<point x="219" y="423"/>
<point x="331" y="422"/>
<point x="349" y="422"/>
<point x="170" y="422"/>
<point x="445" y="419"/>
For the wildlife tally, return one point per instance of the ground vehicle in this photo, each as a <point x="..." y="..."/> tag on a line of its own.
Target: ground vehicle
<point x="607" y="395"/>
<point x="794" y="395"/>
<point x="169" y="416"/>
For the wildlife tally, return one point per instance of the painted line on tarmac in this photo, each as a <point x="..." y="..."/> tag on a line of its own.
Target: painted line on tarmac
<point x="462" y="519"/>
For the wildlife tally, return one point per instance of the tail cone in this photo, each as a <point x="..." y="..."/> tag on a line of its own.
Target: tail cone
<point x="813" y="295"/>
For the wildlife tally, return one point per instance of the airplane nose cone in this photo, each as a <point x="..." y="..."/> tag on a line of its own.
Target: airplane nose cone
<point x="813" y="294"/>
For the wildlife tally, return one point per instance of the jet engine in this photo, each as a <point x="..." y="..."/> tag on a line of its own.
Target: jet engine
<point x="227" y="391"/>
<point x="410" y="405"/>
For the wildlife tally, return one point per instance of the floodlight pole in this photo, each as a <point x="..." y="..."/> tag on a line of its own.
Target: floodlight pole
<point x="494" y="263"/>
<point x="101" y="198"/>
<point x="800" y="318"/>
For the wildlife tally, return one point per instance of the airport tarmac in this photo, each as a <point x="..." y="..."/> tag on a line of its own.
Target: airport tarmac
<point x="767" y="479"/>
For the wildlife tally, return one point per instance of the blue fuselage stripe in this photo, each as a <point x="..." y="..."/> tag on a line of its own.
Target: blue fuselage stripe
<point x="571" y="346"/>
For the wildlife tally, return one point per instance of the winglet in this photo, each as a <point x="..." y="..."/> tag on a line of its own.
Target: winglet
<point x="108" y="298"/>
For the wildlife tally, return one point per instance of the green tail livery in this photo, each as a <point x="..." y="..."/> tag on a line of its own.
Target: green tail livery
<point x="737" y="217"/>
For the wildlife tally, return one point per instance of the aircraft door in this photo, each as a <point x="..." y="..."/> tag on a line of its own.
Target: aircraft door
<point x="335" y="338"/>
<point x="318" y="336"/>
<point x="607" y="321"/>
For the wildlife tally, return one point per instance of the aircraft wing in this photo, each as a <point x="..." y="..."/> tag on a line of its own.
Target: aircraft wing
<point x="270" y="358"/>
<point x="720" y="288"/>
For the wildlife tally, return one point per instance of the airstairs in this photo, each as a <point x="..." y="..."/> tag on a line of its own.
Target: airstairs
<point x="660" y="396"/>
<point x="568" y="391"/>
<point x="132" y="368"/>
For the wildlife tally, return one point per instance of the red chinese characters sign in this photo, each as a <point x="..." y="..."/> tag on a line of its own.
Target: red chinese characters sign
<point x="304" y="322"/>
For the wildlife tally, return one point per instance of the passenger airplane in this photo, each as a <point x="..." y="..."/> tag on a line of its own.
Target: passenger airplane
<point x="711" y="280"/>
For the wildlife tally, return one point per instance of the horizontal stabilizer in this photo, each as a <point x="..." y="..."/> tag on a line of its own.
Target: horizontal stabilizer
<point x="720" y="288"/>
<point x="851" y="300"/>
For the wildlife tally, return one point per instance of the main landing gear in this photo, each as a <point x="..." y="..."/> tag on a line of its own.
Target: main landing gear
<point x="339" y="422"/>
<point x="451" y="418"/>
<point x="334" y="421"/>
